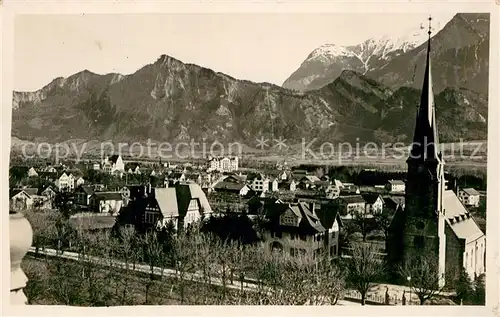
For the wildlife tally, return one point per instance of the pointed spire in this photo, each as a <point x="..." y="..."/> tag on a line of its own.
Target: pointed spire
<point x="425" y="139"/>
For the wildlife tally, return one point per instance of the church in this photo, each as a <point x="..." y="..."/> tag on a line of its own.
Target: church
<point x="434" y="221"/>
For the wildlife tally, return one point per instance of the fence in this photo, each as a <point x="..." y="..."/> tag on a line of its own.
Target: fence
<point x="377" y="299"/>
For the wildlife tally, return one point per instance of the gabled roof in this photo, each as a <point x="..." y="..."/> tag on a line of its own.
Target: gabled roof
<point x="328" y="216"/>
<point x="470" y="191"/>
<point x="396" y="182"/>
<point x="31" y="191"/>
<point x="113" y="158"/>
<point x="89" y="190"/>
<point x="459" y="219"/>
<point x="187" y="192"/>
<point x="108" y="195"/>
<point x="167" y="201"/>
<point x="229" y="186"/>
<point x="370" y="198"/>
<point x="16" y="191"/>
<point x="353" y="199"/>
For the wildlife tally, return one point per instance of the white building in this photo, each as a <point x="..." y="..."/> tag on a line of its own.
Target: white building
<point x="32" y="172"/>
<point x="113" y="164"/>
<point x="65" y="182"/>
<point x="469" y="196"/>
<point x="396" y="186"/>
<point x="224" y="164"/>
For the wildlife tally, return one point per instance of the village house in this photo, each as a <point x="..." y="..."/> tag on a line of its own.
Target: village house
<point x="113" y="164"/>
<point x="79" y="181"/>
<point x="107" y="202"/>
<point x="65" y="182"/>
<point x="296" y="229"/>
<point x="20" y="199"/>
<point x="396" y="186"/>
<point x="287" y="185"/>
<point x="224" y="164"/>
<point x="181" y="205"/>
<point x="469" y="197"/>
<point x="232" y="184"/>
<point x="374" y="203"/>
<point x="83" y="195"/>
<point x="258" y="182"/>
<point x="392" y="202"/>
<point x="351" y="204"/>
<point x="96" y="166"/>
<point x="32" y="172"/>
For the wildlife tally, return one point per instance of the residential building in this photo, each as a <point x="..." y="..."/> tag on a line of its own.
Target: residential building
<point x="351" y="204"/>
<point x="232" y="185"/>
<point x="83" y="195"/>
<point x="107" y="202"/>
<point x="79" y="181"/>
<point x="32" y="172"/>
<point x="469" y="196"/>
<point x="434" y="223"/>
<point x="65" y="182"/>
<point x="96" y="166"/>
<point x="258" y="183"/>
<point x="296" y="229"/>
<point x="113" y="164"/>
<point x="374" y="203"/>
<point x="20" y="199"/>
<point x="181" y="205"/>
<point x="396" y="186"/>
<point x="224" y="164"/>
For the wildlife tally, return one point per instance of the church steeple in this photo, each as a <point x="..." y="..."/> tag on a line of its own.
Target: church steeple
<point x="425" y="138"/>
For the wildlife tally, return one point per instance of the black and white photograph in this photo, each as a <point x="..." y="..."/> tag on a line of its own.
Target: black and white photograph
<point x="280" y="158"/>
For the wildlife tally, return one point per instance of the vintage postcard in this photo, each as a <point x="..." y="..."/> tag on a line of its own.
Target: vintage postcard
<point x="256" y="154"/>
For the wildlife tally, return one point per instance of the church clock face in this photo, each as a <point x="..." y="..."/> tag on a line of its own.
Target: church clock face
<point x="420" y="225"/>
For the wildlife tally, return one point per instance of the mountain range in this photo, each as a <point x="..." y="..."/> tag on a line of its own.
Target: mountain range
<point x="169" y="100"/>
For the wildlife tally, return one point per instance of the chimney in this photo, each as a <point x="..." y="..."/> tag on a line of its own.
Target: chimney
<point x="149" y="188"/>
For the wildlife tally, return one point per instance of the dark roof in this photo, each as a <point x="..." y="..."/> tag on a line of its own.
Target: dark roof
<point x="15" y="191"/>
<point x="309" y="224"/>
<point x="108" y="195"/>
<point x="31" y="191"/>
<point x="187" y="192"/>
<point x="353" y="199"/>
<point x="327" y="215"/>
<point x="113" y="158"/>
<point x="229" y="186"/>
<point x="370" y="198"/>
<point x="87" y="189"/>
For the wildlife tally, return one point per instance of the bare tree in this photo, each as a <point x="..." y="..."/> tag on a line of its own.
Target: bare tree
<point x="383" y="220"/>
<point x="421" y="271"/>
<point x="127" y="235"/>
<point x="152" y="254"/>
<point x="361" y="222"/>
<point x="364" y="267"/>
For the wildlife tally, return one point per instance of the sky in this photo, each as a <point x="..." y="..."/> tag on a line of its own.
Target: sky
<point x="257" y="47"/>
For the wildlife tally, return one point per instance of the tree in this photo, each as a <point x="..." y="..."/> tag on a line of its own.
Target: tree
<point x="127" y="237"/>
<point x="152" y="253"/>
<point x="364" y="267"/>
<point x="383" y="220"/>
<point x="479" y="296"/>
<point x="463" y="287"/>
<point x="362" y="223"/>
<point x="421" y="270"/>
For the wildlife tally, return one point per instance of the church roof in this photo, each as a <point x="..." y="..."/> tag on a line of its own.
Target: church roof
<point x="459" y="219"/>
<point x="425" y="138"/>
